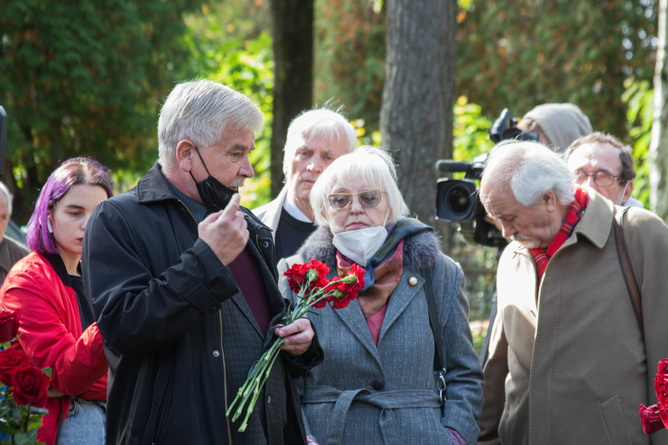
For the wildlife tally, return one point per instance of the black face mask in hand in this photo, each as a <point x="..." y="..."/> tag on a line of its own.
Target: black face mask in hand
<point x="215" y="195"/>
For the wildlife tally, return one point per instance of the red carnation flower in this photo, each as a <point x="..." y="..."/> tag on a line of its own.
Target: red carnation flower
<point x="347" y="289"/>
<point x="313" y="274"/>
<point x="650" y="418"/>
<point x="662" y="366"/>
<point x="296" y="276"/>
<point x="661" y="388"/>
<point x="655" y="417"/>
<point x="322" y="271"/>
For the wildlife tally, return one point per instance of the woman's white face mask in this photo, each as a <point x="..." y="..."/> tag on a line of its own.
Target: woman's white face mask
<point x="360" y="244"/>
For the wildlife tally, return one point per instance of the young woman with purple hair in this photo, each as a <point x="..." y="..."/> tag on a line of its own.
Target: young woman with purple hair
<point x="57" y="327"/>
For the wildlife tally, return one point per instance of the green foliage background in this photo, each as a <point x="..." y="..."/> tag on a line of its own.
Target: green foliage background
<point x="85" y="78"/>
<point x="523" y="53"/>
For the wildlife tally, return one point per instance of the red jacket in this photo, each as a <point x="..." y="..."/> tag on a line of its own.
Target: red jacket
<point x="51" y="335"/>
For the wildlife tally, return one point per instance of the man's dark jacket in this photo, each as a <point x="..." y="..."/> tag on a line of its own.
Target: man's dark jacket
<point x="179" y="335"/>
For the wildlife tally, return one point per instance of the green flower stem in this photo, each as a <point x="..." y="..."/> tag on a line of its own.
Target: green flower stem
<point x="249" y="392"/>
<point x="265" y="376"/>
<point x="24" y="416"/>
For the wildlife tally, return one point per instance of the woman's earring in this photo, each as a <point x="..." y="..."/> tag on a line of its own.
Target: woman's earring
<point x="48" y="226"/>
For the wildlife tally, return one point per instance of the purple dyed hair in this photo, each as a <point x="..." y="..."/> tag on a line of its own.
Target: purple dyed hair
<point x="72" y="172"/>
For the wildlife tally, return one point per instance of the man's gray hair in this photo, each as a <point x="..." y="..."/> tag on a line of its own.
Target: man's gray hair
<point x="202" y="111"/>
<point x="321" y="124"/>
<point x="10" y="198"/>
<point x="532" y="170"/>
<point x="367" y="165"/>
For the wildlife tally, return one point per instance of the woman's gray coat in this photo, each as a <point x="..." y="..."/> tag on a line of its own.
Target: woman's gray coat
<point x="365" y="393"/>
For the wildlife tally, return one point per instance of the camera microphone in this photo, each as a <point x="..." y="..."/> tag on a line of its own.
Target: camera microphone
<point x="452" y="166"/>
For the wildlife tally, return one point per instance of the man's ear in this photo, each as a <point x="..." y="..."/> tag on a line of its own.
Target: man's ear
<point x="185" y="150"/>
<point x="551" y="201"/>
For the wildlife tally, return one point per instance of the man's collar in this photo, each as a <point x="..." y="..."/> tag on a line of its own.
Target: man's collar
<point x="154" y="186"/>
<point x="294" y="211"/>
<point x="596" y="222"/>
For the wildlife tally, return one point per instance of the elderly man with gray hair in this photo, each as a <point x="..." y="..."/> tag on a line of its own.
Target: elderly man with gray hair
<point x="10" y="250"/>
<point x="571" y="356"/>
<point x="183" y="286"/>
<point x="315" y="139"/>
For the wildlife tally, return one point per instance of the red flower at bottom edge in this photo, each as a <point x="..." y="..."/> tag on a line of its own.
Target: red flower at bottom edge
<point x="650" y="418"/>
<point x="30" y="386"/>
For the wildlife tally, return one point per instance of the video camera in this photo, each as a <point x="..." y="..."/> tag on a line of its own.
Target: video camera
<point x="457" y="199"/>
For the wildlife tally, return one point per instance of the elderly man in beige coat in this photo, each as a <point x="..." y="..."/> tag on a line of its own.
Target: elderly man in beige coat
<point x="569" y="362"/>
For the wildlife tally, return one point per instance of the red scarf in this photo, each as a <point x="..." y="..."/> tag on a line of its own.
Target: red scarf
<point x="542" y="255"/>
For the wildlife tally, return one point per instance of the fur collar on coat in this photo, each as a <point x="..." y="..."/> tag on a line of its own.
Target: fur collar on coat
<point x="420" y="249"/>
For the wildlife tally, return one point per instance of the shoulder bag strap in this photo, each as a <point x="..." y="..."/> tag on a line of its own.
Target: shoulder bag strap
<point x="438" y="363"/>
<point x="433" y="321"/>
<point x="627" y="269"/>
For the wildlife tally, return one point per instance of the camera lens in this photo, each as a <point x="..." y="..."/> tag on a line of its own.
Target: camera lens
<point x="460" y="199"/>
<point x="455" y="199"/>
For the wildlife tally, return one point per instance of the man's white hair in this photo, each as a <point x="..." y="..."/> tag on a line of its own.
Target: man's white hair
<point x="320" y="124"/>
<point x="531" y="169"/>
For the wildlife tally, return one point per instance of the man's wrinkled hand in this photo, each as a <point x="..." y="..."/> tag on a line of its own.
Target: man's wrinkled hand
<point x="226" y="231"/>
<point x="298" y="336"/>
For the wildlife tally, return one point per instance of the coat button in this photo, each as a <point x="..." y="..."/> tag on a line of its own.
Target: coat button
<point x="412" y="281"/>
<point x="378" y="384"/>
<point x="269" y="400"/>
<point x="216" y="353"/>
<point x="265" y="244"/>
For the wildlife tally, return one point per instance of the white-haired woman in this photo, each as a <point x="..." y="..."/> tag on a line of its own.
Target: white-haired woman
<point x="376" y="384"/>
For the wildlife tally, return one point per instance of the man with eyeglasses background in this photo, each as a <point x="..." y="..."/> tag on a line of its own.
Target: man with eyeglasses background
<point x="605" y="163"/>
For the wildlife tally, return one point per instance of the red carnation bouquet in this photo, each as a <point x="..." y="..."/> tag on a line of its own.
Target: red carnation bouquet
<point x="24" y="387"/>
<point x="655" y="418"/>
<point x="309" y="281"/>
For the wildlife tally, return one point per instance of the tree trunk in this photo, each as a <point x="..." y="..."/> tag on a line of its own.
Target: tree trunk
<point x="416" y="117"/>
<point x="292" y="22"/>
<point x="659" y="141"/>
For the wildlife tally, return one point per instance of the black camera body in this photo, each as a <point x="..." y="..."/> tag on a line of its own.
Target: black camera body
<point x="457" y="199"/>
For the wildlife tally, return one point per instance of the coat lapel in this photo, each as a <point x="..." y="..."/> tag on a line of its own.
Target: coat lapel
<point x="353" y="318"/>
<point x="400" y="299"/>
<point x="240" y="301"/>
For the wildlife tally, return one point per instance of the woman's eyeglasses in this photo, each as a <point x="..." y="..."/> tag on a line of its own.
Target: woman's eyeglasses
<point x="367" y="199"/>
